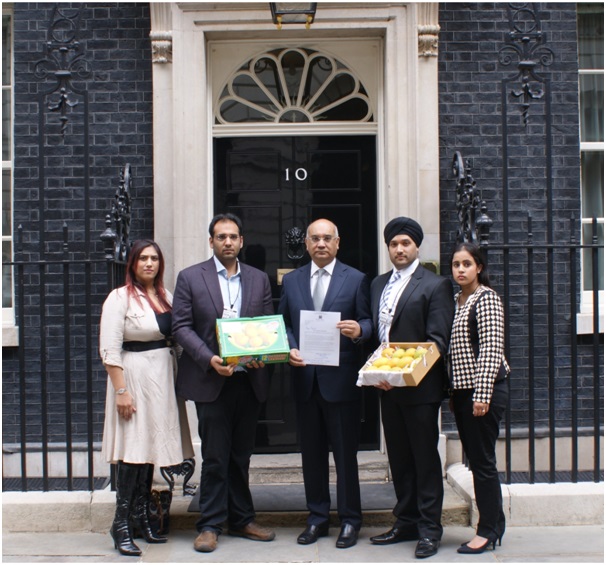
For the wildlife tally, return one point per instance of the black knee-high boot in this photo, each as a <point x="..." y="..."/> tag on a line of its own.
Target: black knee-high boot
<point x="126" y="485"/>
<point x="140" y="517"/>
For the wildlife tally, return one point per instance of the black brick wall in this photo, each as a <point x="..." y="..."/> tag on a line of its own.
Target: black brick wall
<point x="115" y="99"/>
<point x="471" y="121"/>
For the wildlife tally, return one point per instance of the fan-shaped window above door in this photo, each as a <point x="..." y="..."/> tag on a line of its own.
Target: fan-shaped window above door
<point x="293" y="86"/>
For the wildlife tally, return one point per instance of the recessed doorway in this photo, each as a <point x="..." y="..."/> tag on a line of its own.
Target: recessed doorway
<point x="280" y="184"/>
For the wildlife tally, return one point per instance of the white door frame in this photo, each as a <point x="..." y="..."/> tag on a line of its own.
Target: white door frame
<point x="406" y="102"/>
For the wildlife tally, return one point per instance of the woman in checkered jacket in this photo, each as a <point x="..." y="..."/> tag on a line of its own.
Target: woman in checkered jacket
<point x="479" y="388"/>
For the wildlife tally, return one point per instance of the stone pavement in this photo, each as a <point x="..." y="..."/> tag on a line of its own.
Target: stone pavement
<point x="539" y="544"/>
<point x="550" y="523"/>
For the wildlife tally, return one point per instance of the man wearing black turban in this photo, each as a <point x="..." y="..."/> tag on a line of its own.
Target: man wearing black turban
<point x="405" y="226"/>
<point x="411" y="304"/>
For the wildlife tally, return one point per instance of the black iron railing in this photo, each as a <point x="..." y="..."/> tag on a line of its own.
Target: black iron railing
<point x="553" y="404"/>
<point x="58" y="305"/>
<point x="57" y="300"/>
<point x="556" y="384"/>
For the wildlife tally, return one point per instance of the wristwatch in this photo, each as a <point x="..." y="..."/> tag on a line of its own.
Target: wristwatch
<point x="121" y="391"/>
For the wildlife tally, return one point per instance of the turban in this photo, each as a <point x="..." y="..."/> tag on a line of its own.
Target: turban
<point x="406" y="226"/>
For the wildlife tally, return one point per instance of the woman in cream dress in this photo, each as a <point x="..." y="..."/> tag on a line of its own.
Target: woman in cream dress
<point x="145" y="424"/>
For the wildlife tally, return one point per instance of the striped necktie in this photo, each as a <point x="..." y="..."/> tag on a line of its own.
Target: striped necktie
<point x="383" y="305"/>
<point x="319" y="290"/>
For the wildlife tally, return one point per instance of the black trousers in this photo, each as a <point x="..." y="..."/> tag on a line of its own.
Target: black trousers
<point x="227" y="429"/>
<point x="411" y="436"/>
<point x="323" y="425"/>
<point x="479" y="436"/>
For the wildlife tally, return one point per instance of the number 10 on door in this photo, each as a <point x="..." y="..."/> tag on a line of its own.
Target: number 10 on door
<point x="300" y="174"/>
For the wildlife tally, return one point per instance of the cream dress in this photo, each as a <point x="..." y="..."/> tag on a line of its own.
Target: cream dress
<point x="158" y="432"/>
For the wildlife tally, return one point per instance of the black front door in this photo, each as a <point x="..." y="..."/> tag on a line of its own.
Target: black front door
<point x="276" y="185"/>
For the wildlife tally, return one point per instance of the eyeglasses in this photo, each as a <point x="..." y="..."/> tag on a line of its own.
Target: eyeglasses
<point x="319" y="238"/>
<point x="224" y="236"/>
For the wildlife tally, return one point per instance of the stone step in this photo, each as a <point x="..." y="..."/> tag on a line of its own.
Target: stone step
<point x="285" y="468"/>
<point x="276" y="485"/>
<point x="279" y="497"/>
<point x="277" y="505"/>
<point x="283" y="505"/>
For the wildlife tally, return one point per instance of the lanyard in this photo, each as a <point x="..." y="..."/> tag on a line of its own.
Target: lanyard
<point x="231" y="304"/>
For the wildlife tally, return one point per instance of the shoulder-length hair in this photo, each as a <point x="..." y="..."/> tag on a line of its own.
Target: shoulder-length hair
<point x="477" y="255"/>
<point x="133" y="286"/>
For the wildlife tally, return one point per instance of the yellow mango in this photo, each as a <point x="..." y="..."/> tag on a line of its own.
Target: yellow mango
<point x="240" y="339"/>
<point x="251" y="329"/>
<point x="255" y="342"/>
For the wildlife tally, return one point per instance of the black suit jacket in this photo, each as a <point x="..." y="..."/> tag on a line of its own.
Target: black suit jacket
<point x="197" y="304"/>
<point x="348" y="293"/>
<point x="424" y="312"/>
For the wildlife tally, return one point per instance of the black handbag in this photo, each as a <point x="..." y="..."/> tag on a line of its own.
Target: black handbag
<point x="159" y="511"/>
<point x="474" y="337"/>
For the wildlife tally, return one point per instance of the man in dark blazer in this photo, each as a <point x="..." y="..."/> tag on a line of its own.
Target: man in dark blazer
<point x="412" y="304"/>
<point x="228" y="398"/>
<point x="327" y="398"/>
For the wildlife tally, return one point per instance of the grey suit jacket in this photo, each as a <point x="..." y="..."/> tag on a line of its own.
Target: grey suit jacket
<point x="197" y="304"/>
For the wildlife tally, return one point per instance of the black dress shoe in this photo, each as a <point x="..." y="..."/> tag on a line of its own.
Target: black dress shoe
<point x="395" y="535"/>
<point x="312" y="533"/>
<point x="348" y="537"/>
<point x="427" y="547"/>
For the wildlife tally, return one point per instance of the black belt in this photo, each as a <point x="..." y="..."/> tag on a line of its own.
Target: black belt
<point x="146" y="345"/>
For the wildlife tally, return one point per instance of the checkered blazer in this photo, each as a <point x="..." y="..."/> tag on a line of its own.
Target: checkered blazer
<point x="467" y="370"/>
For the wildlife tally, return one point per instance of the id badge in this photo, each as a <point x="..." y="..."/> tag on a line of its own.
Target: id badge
<point x="229" y="313"/>
<point x="385" y="318"/>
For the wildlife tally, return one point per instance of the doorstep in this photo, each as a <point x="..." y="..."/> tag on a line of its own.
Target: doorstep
<point x="276" y="485"/>
<point x="277" y="505"/>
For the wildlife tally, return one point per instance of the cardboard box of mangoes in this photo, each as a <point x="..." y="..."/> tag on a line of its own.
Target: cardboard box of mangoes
<point x="243" y="340"/>
<point x="400" y="364"/>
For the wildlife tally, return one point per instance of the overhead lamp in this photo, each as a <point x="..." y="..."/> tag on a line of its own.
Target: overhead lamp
<point x="293" y="13"/>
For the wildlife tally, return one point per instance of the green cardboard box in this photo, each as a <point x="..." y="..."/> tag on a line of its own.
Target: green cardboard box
<point x="242" y="340"/>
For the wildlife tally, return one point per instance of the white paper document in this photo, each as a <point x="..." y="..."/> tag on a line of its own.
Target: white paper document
<point x="319" y="337"/>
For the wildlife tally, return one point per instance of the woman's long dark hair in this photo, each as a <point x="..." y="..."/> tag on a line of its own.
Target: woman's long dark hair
<point x="133" y="286"/>
<point x="477" y="255"/>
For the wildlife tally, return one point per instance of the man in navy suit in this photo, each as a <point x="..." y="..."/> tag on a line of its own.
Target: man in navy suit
<point x="228" y="398"/>
<point x="412" y="304"/>
<point x="327" y="398"/>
